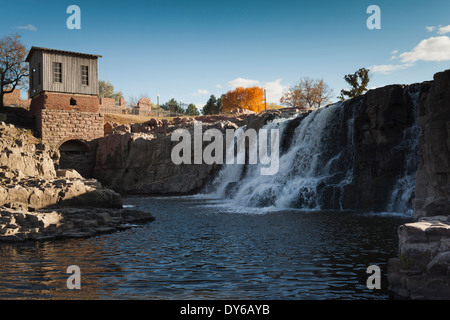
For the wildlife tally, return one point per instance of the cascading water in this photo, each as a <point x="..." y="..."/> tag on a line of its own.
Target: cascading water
<point x="315" y="168"/>
<point x="403" y="190"/>
<point x="318" y="169"/>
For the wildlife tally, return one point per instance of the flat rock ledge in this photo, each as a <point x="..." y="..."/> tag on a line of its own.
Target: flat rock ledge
<point x="422" y="269"/>
<point x="17" y="225"/>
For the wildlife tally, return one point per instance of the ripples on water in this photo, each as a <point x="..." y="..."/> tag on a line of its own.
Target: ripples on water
<point x="204" y="249"/>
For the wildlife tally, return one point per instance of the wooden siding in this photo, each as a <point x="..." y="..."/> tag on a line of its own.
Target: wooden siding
<point x="71" y="73"/>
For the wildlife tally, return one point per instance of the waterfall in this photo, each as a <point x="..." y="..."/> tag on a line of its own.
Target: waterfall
<point x="320" y="168"/>
<point x="313" y="170"/>
<point x="403" y="190"/>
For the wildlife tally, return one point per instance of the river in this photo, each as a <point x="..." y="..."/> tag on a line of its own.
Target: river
<point x="206" y="248"/>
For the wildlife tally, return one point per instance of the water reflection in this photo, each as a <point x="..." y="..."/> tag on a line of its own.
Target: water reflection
<point x="204" y="253"/>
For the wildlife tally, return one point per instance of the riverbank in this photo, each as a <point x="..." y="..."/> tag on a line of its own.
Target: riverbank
<point x="39" y="202"/>
<point x="21" y="225"/>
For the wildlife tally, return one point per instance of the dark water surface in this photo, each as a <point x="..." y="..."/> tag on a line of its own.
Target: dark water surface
<point x="203" y="249"/>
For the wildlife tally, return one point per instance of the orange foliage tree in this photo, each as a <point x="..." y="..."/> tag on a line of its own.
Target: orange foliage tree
<point x="246" y="98"/>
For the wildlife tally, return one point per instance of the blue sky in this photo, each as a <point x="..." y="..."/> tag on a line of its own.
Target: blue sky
<point x="190" y="49"/>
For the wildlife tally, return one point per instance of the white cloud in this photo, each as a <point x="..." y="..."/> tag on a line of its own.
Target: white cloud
<point x="274" y="91"/>
<point x="218" y="86"/>
<point x="431" y="29"/>
<point x="29" y="27"/>
<point x="200" y="92"/>
<point x="241" y="82"/>
<point x="394" y="52"/>
<point x="432" y="49"/>
<point x="444" y="30"/>
<point x="388" y="68"/>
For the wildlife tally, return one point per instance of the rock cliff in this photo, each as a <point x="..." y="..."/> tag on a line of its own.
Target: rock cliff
<point x="140" y="163"/>
<point x="433" y="175"/>
<point x="422" y="269"/>
<point x="29" y="179"/>
<point x="38" y="202"/>
<point x="384" y="145"/>
<point x="136" y="158"/>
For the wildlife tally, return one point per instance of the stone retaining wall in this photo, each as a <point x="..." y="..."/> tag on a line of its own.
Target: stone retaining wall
<point x="58" y="126"/>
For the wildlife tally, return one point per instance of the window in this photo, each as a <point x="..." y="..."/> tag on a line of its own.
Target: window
<point x="57" y="72"/>
<point x="85" y="75"/>
<point x="73" y="102"/>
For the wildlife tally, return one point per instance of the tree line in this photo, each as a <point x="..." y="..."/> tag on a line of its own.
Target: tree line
<point x="307" y="93"/>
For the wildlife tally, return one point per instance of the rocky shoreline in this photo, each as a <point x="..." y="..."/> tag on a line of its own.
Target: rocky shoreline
<point x="39" y="202"/>
<point x="62" y="223"/>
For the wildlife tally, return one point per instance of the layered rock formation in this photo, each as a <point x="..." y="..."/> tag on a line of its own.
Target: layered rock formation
<point x="382" y="144"/>
<point x="136" y="158"/>
<point x="422" y="269"/>
<point x="433" y="175"/>
<point x="29" y="179"/>
<point x="22" y="225"/>
<point x="141" y="163"/>
<point x="38" y="202"/>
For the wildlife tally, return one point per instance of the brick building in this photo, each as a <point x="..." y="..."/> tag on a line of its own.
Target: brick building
<point x="64" y="103"/>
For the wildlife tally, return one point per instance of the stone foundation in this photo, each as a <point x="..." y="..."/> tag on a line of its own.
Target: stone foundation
<point x="58" y="126"/>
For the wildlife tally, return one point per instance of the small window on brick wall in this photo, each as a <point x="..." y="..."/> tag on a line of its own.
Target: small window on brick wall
<point x="85" y="75"/>
<point x="73" y="102"/>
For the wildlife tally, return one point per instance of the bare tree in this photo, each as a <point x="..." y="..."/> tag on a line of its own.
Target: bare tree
<point x="13" y="68"/>
<point x="307" y="93"/>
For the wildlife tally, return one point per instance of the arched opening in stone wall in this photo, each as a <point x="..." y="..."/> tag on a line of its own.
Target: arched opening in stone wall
<point x="73" y="147"/>
<point x="76" y="154"/>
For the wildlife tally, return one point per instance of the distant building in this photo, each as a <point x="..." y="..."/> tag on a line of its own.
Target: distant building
<point x="64" y="88"/>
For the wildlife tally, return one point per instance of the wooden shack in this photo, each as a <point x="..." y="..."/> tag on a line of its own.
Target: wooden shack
<point x="64" y="88"/>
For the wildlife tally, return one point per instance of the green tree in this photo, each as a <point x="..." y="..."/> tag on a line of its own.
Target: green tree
<point x="172" y="106"/>
<point x="106" y="90"/>
<point x="213" y="106"/>
<point x="13" y="68"/>
<point x="358" y="82"/>
<point x="192" y="110"/>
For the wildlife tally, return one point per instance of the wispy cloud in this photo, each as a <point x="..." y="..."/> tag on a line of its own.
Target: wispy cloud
<point x="200" y="92"/>
<point x="28" y="27"/>
<point x="432" y="49"/>
<point x="389" y="68"/>
<point x="431" y="29"/>
<point x="444" y="30"/>
<point x="241" y="82"/>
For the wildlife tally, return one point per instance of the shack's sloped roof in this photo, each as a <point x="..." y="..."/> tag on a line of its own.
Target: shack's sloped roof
<point x="33" y="49"/>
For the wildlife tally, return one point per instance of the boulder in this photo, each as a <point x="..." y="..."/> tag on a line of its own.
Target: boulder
<point x="21" y="225"/>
